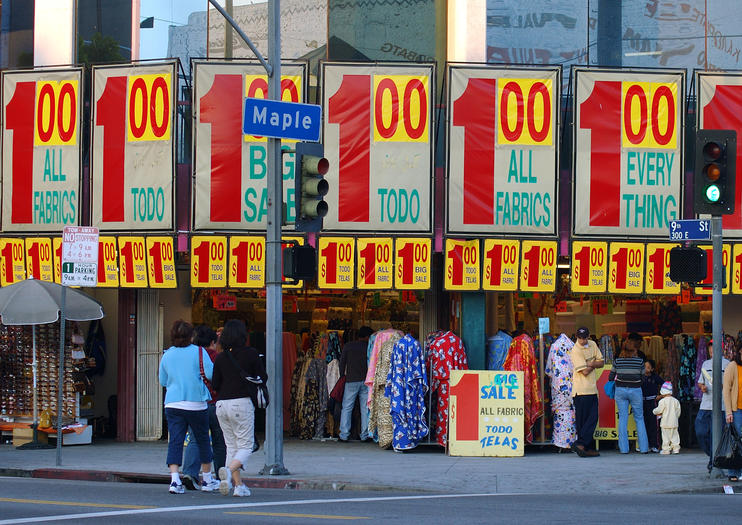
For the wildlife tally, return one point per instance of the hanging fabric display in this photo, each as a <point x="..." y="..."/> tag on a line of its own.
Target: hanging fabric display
<point x="687" y="377"/>
<point x="376" y="341"/>
<point x="497" y="350"/>
<point x="406" y="385"/>
<point x="559" y="368"/>
<point x="380" y="422"/>
<point x="700" y="358"/>
<point x="521" y="357"/>
<point x="446" y="353"/>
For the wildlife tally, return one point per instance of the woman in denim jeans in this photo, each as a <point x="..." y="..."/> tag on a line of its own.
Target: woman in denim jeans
<point x="627" y="372"/>
<point x="732" y="399"/>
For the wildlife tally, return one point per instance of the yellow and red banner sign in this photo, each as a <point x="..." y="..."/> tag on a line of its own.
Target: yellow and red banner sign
<point x="658" y="270"/>
<point x="133" y="262"/>
<point x="161" y="262"/>
<point x="628" y="151"/>
<point x="503" y="149"/>
<point x="412" y="263"/>
<point x="246" y="262"/>
<point x="500" y="260"/>
<point x="108" y="264"/>
<point x="726" y="255"/>
<point x="132" y="162"/>
<point x="378" y="137"/>
<point x="375" y="263"/>
<point x="626" y="268"/>
<point x="39" y="258"/>
<point x="462" y="265"/>
<point x="538" y="266"/>
<point x="41" y="144"/>
<point x="208" y="261"/>
<point x="486" y="413"/>
<point x="230" y="167"/>
<point x="335" y="262"/>
<point x="589" y="267"/>
<point x="12" y="261"/>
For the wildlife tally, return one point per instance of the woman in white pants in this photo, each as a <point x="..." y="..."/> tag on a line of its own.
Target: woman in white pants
<point x="235" y="409"/>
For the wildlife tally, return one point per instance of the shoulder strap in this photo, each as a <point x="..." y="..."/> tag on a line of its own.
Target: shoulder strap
<point x="201" y="362"/>
<point x="243" y="374"/>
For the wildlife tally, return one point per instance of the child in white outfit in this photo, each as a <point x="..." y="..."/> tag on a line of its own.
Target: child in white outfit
<point x="669" y="408"/>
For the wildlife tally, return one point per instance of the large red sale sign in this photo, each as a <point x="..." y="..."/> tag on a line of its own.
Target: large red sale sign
<point x="503" y="150"/>
<point x="231" y="167"/>
<point x="378" y="137"/>
<point x="133" y="146"/>
<point x="628" y="166"/>
<point x="719" y="103"/>
<point x="41" y="113"/>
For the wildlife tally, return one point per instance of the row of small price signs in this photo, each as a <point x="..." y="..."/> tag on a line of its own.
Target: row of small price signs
<point x="342" y="262"/>
<point x="125" y="262"/>
<point x="636" y="268"/>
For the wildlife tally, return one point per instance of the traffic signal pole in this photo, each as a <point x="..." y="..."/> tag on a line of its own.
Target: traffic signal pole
<point x="716" y="334"/>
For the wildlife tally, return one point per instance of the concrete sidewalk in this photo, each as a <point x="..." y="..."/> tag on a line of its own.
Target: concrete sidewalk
<point x="364" y="466"/>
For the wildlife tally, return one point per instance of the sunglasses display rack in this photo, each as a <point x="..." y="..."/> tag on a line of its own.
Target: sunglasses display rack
<point x="16" y="372"/>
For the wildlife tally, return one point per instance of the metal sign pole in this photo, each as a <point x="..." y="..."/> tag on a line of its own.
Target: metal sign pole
<point x="273" y="285"/>
<point x="60" y="379"/>
<point x="716" y="332"/>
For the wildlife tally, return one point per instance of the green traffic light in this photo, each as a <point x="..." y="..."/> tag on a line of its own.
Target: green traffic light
<point x="713" y="193"/>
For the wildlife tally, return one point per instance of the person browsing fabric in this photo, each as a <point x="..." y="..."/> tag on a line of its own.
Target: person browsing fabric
<point x="235" y="408"/>
<point x="185" y="403"/>
<point x="354" y="366"/>
<point x="627" y="372"/>
<point x="586" y="358"/>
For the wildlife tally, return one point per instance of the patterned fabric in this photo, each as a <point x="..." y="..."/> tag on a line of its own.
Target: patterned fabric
<point x="656" y="351"/>
<point x="446" y="353"/>
<point x="607" y="346"/>
<point x="728" y="347"/>
<point x="497" y="350"/>
<point x="298" y="386"/>
<point x="559" y="368"/>
<point x="672" y="365"/>
<point x="380" y="422"/>
<point x="667" y="321"/>
<point x="702" y="356"/>
<point x="333" y="346"/>
<point x="379" y="339"/>
<point x="521" y="357"/>
<point x="333" y="374"/>
<point x="406" y="385"/>
<point x="314" y="407"/>
<point x="687" y="377"/>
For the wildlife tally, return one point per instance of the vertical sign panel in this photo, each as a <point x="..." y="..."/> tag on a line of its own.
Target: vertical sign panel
<point x="133" y="146"/>
<point x="726" y="255"/>
<point x="737" y="269"/>
<point x="626" y="268"/>
<point x="57" y="257"/>
<point x="12" y="261"/>
<point x="108" y="262"/>
<point x="720" y="107"/>
<point x="628" y="151"/>
<point x="589" y="267"/>
<point x="335" y="262"/>
<point x="658" y="270"/>
<point x="378" y="137"/>
<point x="486" y="416"/>
<point x="133" y="262"/>
<point x="538" y="266"/>
<point x="208" y="261"/>
<point x="246" y="262"/>
<point x="462" y="265"/>
<point x="39" y="260"/>
<point x="41" y="149"/>
<point x="503" y="150"/>
<point x="375" y="263"/>
<point x="231" y="167"/>
<point x="412" y="263"/>
<point x="161" y="262"/>
<point x="500" y="260"/>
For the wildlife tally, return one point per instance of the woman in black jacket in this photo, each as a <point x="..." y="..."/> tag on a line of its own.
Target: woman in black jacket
<point x="235" y="408"/>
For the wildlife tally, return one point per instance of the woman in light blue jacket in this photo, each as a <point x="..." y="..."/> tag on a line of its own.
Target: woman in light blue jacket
<point x="185" y="403"/>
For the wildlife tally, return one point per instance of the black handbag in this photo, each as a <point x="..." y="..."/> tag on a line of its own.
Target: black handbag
<point x="729" y="451"/>
<point x="260" y="397"/>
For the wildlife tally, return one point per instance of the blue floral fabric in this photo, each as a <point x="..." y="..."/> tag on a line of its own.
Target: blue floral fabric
<point x="497" y="350"/>
<point x="406" y="384"/>
<point x="559" y="368"/>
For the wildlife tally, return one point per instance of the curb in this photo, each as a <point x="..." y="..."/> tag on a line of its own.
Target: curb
<point x="133" y="477"/>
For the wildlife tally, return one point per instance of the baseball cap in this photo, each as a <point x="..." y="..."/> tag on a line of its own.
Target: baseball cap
<point x="583" y="332"/>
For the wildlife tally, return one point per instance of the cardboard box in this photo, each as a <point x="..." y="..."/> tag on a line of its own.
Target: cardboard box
<point x="21" y="436"/>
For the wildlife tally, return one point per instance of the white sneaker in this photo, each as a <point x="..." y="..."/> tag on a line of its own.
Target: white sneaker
<point x="241" y="490"/>
<point x="211" y="486"/>
<point x="176" y="488"/>
<point x="225" y="485"/>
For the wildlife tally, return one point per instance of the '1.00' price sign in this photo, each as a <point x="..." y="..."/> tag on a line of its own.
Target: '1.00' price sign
<point x="412" y="263"/>
<point x="375" y="263"/>
<point x="462" y="264"/>
<point x="336" y="262"/>
<point x="208" y="262"/>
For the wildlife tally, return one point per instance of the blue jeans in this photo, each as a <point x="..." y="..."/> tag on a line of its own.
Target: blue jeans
<point x="192" y="460"/>
<point x="178" y="421"/>
<point x="704" y="422"/>
<point x="625" y="397"/>
<point x="738" y="425"/>
<point x="353" y="390"/>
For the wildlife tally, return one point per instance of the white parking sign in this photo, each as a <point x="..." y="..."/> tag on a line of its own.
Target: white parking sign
<point x="80" y="256"/>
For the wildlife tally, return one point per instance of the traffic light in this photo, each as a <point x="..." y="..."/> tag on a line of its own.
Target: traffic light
<point x="715" y="173"/>
<point x="311" y="186"/>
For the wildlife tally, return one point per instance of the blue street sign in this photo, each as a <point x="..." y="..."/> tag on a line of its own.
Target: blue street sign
<point x="690" y="230"/>
<point x="282" y="120"/>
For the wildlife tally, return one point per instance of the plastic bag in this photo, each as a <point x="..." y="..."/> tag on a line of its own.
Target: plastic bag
<point x="729" y="452"/>
<point x="610" y="389"/>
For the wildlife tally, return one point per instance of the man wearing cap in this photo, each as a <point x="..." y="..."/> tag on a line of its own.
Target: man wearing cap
<point x="586" y="358"/>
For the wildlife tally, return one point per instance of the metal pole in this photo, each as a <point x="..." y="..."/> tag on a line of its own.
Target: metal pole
<point x="716" y="332"/>
<point x="60" y="379"/>
<point x="273" y="302"/>
<point x="228" y="32"/>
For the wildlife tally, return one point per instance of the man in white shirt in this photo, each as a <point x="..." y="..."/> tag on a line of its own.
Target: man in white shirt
<point x="704" y="418"/>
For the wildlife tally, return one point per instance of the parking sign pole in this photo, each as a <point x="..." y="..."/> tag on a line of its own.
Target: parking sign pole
<point x="716" y="331"/>
<point x="60" y="377"/>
